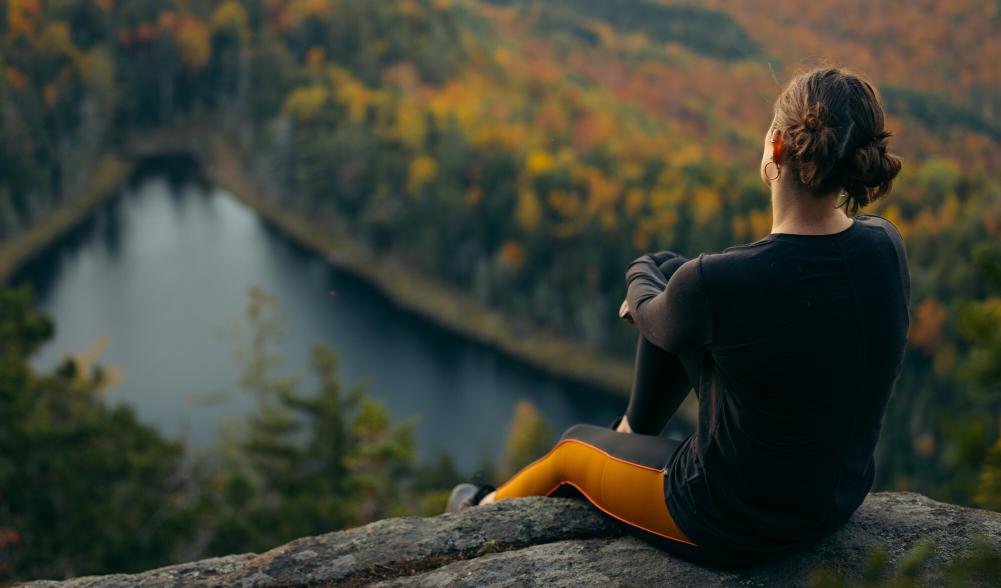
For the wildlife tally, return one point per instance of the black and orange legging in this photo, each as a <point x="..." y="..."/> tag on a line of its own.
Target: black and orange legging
<point x="622" y="473"/>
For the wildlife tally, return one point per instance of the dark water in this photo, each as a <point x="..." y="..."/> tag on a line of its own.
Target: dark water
<point x="160" y="271"/>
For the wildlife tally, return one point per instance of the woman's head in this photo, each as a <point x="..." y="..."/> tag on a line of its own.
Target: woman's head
<point x="828" y="133"/>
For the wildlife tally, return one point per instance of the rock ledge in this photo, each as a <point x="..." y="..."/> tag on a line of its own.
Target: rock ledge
<point x="562" y="542"/>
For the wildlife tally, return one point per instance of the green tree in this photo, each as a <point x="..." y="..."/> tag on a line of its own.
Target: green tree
<point x="304" y="463"/>
<point x="981" y="324"/>
<point x="84" y="487"/>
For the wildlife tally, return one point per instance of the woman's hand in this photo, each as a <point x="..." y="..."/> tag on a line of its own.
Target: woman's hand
<point x="624" y="313"/>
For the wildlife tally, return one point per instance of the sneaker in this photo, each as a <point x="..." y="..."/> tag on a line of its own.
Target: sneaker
<point x="466" y="495"/>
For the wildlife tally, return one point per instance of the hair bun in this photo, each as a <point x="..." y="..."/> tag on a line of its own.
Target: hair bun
<point x="812" y="120"/>
<point x="870" y="169"/>
<point x="812" y="143"/>
<point x="832" y="127"/>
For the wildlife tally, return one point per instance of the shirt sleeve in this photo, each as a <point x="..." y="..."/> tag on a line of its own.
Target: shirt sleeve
<point x="901" y="251"/>
<point x="673" y="314"/>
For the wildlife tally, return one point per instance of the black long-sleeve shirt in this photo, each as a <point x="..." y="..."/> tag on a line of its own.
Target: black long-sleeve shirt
<point x="792" y="344"/>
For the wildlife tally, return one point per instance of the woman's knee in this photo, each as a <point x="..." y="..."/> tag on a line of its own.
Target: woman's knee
<point x="587" y="433"/>
<point x="573" y="432"/>
<point x="671" y="265"/>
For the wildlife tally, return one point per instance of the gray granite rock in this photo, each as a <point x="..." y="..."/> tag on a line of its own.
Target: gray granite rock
<point x="564" y="542"/>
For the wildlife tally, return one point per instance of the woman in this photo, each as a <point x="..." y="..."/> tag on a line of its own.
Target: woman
<point x="792" y="344"/>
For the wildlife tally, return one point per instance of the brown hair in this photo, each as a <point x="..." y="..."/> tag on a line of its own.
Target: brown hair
<point x="831" y="122"/>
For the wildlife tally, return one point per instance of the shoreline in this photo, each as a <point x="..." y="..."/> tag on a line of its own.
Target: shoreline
<point x="442" y="305"/>
<point x="225" y="165"/>
<point x="110" y="174"/>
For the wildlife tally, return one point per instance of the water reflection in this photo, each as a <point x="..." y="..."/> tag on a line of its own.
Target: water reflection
<point x="162" y="268"/>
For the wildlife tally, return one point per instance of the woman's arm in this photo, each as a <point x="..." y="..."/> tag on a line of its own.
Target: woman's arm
<point x="672" y="314"/>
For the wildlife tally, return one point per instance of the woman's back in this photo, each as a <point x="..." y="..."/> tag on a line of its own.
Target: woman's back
<point x="800" y="342"/>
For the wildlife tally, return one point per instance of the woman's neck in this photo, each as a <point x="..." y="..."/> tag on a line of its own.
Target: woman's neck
<point x="799" y="212"/>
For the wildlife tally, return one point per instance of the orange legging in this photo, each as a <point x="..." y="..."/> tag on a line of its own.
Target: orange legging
<point x="620" y="473"/>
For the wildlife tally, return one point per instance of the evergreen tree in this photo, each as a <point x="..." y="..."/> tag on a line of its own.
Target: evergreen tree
<point x="84" y="487"/>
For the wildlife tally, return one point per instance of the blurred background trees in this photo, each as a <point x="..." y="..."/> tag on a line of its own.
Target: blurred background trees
<point x="84" y="487"/>
<point x="980" y="323"/>
<point x="87" y="489"/>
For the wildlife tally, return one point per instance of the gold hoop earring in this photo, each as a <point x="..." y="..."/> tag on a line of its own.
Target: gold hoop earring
<point x="777" y="171"/>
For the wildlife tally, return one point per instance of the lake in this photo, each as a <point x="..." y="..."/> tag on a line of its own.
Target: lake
<point x="158" y="273"/>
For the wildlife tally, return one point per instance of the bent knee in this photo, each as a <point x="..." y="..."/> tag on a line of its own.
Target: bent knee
<point x="573" y="432"/>
<point x="585" y="432"/>
<point x="671" y="265"/>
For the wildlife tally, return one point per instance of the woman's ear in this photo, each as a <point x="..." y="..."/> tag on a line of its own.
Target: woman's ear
<point x="777" y="147"/>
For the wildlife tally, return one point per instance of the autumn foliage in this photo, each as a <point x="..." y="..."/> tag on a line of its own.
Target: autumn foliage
<point x="526" y="151"/>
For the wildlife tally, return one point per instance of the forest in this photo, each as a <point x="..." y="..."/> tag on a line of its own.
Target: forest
<point x="522" y="151"/>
